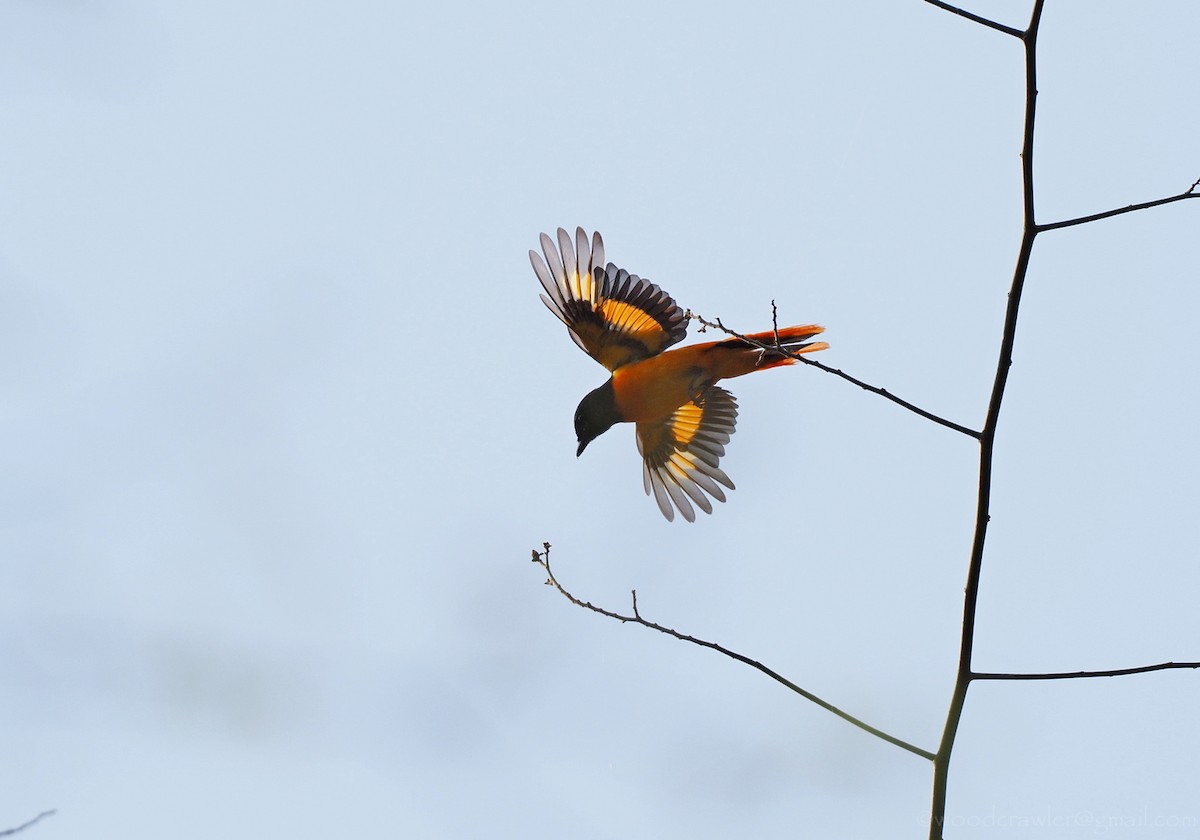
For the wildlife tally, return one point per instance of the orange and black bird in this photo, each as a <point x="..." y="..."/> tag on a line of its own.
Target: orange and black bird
<point x="626" y="323"/>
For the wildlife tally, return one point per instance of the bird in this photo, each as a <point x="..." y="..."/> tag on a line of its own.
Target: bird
<point x="682" y="418"/>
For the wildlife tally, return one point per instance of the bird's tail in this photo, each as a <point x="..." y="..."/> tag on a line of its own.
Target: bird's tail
<point x="791" y="339"/>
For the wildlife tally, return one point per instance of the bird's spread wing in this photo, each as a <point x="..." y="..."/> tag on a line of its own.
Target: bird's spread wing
<point x="680" y="455"/>
<point x="614" y="316"/>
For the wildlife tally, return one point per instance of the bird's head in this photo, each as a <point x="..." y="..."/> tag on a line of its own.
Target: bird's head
<point x="596" y="414"/>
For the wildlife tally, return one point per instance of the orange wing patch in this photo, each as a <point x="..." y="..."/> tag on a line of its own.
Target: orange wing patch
<point x="680" y="455"/>
<point x="614" y="316"/>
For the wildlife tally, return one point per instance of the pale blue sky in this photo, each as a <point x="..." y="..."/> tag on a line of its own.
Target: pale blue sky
<point x="284" y="418"/>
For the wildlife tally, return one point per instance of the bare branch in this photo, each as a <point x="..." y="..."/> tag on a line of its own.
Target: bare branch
<point x="543" y="559"/>
<point x="8" y="832"/>
<point x="987" y="441"/>
<point x="883" y="392"/>
<point x="1074" y="675"/>
<point x="1190" y="192"/>
<point x="991" y="24"/>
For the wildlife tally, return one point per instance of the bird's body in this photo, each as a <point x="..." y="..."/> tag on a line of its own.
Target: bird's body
<point x="626" y="323"/>
<point x="651" y="390"/>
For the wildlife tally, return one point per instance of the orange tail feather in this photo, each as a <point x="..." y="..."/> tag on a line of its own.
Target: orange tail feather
<point x="751" y="358"/>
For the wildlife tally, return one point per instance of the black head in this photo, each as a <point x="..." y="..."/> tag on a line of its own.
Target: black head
<point x="596" y="414"/>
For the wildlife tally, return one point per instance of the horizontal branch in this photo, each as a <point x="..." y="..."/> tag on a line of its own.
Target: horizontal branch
<point x="1190" y="192"/>
<point x="543" y="560"/>
<point x="1075" y="675"/>
<point x="883" y="392"/>
<point x="991" y="24"/>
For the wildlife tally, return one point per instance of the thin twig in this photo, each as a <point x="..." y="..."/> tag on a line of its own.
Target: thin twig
<point x="775" y="323"/>
<point x="8" y="832"/>
<point x="542" y="558"/>
<point x="883" y="392"/>
<point x="991" y="24"/>
<point x="1075" y="675"/>
<point x="1190" y="192"/>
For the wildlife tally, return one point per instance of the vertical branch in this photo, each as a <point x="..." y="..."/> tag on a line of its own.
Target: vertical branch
<point x="987" y="439"/>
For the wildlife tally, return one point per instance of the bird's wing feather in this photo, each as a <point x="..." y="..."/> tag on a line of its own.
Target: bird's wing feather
<point x="614" y="316"/>
<point x="680" y="455"/>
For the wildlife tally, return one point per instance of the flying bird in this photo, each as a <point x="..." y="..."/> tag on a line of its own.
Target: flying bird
<point x="626" y="323"/>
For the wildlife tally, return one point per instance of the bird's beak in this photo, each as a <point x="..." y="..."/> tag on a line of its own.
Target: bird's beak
<point x="582" y="445"/>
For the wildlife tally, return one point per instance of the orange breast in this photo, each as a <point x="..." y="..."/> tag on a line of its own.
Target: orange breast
<point x="649" y="391"/>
